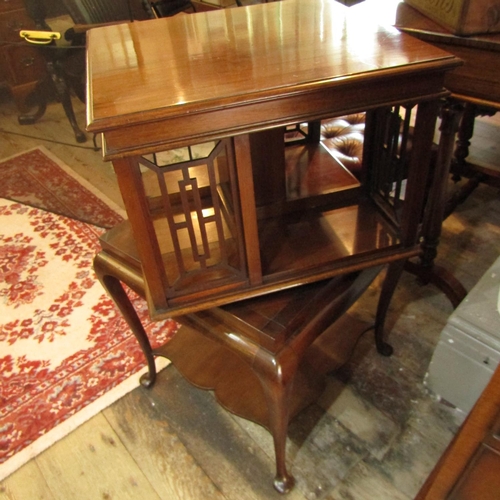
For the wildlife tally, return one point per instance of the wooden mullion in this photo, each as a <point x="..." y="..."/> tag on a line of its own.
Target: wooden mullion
<point x="416" y="193"/>
<point x="249" y="213"/>
<point x="134" y="197"/>
<point x="217" y="212"/>
<point x="233" y="202"/>
<point x="172" y="225"/>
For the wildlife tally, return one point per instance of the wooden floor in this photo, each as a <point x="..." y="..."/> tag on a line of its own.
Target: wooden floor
<point x="375" y="434"/>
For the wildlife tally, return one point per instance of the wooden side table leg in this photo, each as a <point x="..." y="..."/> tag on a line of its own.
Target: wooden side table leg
<point x="314" y="131"/>
<point x="460" y="167"/>
<point x="114" y="288"/>
<point x="276" y="376"/>
<point x="391" y="280"/>
<point x="33" y="98"/>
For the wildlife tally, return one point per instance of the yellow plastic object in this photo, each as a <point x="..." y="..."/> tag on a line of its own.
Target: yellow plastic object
<point x="39" y="37"/>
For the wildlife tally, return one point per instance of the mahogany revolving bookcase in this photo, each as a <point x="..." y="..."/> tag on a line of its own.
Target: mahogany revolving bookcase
<point x="257" y="246"/>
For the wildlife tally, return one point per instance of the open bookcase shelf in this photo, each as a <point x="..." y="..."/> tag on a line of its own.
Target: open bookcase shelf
<point x="321" y="222"/>
<point x="322" y="238"/>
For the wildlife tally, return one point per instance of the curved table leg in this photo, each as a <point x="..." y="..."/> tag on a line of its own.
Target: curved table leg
<point x="391" y="280"/>
<point x="276" y="376"/>
<point x="115" y="290"/>
<point x="63" y="96"/>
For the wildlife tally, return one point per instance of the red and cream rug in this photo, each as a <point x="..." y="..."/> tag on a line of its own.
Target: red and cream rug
<point x="39" y="179"/>
<point x="65" y="351"/>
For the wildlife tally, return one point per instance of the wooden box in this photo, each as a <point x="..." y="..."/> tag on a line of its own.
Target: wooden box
<point x="462" y="17"/>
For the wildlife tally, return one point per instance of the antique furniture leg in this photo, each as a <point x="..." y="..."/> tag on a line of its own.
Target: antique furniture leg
<point x="64" y="97"/>
<point x="464" y="134"/>
<point x="275" y="374"/>
<point x="276" y="378"/>
<point x="426" y="270"/>
<point x="278" y="371"/>
<point x="389" y="286"/>
<point x="459" y="165"/>
<point x="107" y="271"/>
<point x="39" y="100"/>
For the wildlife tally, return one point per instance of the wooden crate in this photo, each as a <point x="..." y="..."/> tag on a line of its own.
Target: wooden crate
<point x="462" y="17"/>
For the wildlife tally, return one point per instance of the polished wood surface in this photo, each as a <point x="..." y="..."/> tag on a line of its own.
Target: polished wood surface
<point x="229" y="374"/>
<point x="206" y="97"/>
<point x="225" y="74"/>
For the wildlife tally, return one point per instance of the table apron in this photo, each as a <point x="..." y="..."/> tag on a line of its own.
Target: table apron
<point x="193" y="128"/>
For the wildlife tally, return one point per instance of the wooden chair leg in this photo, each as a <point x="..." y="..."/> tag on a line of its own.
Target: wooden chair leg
<point x="114" y="288"/>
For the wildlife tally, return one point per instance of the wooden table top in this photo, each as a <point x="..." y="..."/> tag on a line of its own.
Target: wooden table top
<point x="153" y="70"/>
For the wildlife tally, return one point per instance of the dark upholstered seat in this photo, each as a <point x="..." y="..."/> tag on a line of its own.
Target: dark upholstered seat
<point x="343" y="136"/>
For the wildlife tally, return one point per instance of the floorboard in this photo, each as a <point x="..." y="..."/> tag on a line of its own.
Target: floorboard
<point x="92" y="462"/>
<point x="157" y="449"/>
<point x="27" y="482"/>
<point x="222" y="448"/>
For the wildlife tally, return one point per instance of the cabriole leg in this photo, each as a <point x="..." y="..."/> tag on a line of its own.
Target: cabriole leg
<point x="277" y="381"/>
<point x="114" y="288"/>
<point x="389" y="286"/>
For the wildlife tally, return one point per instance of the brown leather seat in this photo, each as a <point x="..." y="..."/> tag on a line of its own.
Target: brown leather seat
<point x="343" y="136"/>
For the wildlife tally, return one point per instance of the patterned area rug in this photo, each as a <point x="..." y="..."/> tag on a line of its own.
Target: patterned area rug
<point x="65" y="351"/>
<point x="39" y="179"/>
